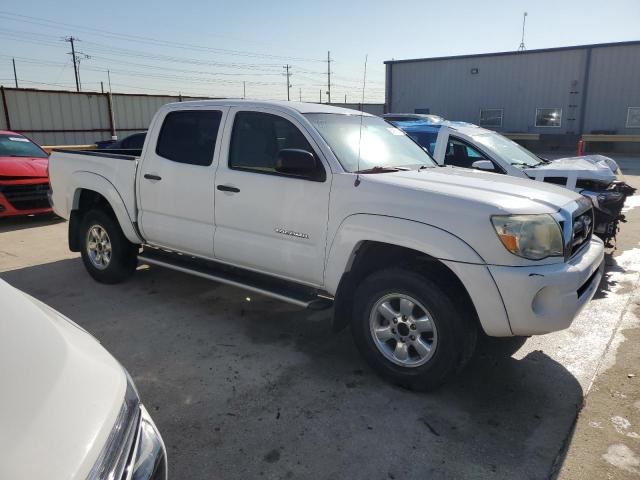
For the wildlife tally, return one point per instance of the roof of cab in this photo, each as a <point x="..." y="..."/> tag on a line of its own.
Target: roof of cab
<point x="300" y="107"/>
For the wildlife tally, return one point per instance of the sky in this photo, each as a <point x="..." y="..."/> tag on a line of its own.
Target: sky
<point x="234" y="48"/>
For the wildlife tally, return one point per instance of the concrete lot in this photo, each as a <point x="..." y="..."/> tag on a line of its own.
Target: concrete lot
<point x="250" y="389"/>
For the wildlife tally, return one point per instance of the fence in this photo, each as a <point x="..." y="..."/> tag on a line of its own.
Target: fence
<point x="55" y="117"/>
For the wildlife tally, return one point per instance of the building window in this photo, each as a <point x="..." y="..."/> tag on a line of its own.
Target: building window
<point x="548" y="117"/>
<point x="633" y="117"/>
<point x="491" y="117"/>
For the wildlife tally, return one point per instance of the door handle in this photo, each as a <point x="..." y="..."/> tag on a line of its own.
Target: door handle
<point x="228" y="188"/>
<point x="150" y="176"/>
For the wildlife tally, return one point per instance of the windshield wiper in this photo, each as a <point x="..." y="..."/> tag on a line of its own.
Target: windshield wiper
<point x="523" y="164"/>
<point x="378" y="169"/>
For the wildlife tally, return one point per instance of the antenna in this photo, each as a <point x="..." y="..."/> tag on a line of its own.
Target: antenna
<point x="522" y="48"/>
<point x="364" y="83"/>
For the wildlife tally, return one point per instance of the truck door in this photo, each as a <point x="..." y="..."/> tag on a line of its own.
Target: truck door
<point x="176" y="178"/>
<point x="266" y="220"/>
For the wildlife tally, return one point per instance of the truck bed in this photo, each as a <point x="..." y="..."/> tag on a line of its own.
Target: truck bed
<point x="73" y="169"/>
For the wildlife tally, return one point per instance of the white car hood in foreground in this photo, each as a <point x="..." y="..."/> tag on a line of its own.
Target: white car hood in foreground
<point x="60" y="392"/>
<point x="588" y="167"/>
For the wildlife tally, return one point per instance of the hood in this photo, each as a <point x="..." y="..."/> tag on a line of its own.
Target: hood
<point x="454" y="200"/>
<point x="62" y="392"/>
<point x="23" y="167"/>
<point x="506" y="193"/>
<point x="587" y="167"/>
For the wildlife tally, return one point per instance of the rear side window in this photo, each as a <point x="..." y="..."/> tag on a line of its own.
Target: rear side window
<point x="189" y="136"/>
<point x="258" y="137"/>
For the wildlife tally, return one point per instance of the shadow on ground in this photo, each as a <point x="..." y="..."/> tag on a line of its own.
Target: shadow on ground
<point x="9" y="224"/>
<point x="249" y="389"/>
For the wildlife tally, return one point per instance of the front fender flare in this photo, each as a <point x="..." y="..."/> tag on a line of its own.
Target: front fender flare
<point x="400" y="232"/>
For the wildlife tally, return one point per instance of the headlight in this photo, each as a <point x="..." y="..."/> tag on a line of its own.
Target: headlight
<point x="134" y="449"/>
<point x="112" y="460"/>
<point x="529" y="236"/>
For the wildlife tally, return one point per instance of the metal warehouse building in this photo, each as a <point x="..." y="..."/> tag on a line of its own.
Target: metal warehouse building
<point x="562" y="92"/>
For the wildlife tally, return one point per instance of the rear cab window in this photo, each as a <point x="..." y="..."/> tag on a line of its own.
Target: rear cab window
<point x="189" y="136"/>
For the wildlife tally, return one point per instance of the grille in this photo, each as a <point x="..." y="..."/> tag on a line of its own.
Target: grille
<point x="581" y="231"/>
<point x="555" y="180"/>
<point x="27" y="197"/>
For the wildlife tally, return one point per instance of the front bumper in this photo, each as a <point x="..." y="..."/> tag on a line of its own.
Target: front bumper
<point x="546" y="298"/>
<point x="24" y="198"/>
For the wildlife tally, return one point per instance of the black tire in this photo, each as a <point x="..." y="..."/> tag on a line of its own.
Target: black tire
<point x="456" y="329"/>
<point x="124" y="254"/>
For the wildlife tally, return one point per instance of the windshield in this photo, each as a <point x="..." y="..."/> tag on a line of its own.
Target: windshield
<point x="509" y="150"/>
<point x="19" y="146"/>
<point x="381" y="144"/>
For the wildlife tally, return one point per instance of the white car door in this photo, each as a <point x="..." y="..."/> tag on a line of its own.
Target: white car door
<point x="176" y="179"/>
<point x="265" y="220"/>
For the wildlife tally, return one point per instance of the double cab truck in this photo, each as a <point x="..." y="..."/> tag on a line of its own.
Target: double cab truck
<point x="322" y="206"/>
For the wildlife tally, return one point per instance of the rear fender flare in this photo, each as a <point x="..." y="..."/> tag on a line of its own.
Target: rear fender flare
<point x="99" y="184"/>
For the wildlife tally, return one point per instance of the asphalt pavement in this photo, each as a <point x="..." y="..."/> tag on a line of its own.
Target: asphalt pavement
<point x="246" y="387"/>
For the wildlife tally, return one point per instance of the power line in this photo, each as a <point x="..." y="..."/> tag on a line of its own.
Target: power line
<point x="148" y="40"/>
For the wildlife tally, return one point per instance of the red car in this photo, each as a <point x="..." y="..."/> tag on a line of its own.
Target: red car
<point x="24" y="181"/>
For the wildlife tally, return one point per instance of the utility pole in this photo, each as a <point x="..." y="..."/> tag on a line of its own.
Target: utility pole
<point x="345" y="98"/>
<point x="244" y="90"/>
<point x="109" y="78"/>
<point x="522" y="48"/>
<point x="287" y="67"/>
<point x="15" y="75"/>
<point x="101" y="86"/>
<point x="300" y="92"/>
<point x="75" y="63"/>
<point x="328" y="77"/>
<point x="320" y="95"/>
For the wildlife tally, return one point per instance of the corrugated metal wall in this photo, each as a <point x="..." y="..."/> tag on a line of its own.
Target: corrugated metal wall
<point x="614" y="86"/>
<point x="520" y="83"/>
<point x="134" y="112"/>
<point x="53" y="117"/>
<point x="68" y="118"/>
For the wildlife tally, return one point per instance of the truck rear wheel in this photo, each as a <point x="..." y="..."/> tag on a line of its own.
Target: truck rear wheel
<point x="409" y="329"/>
<point x="107" y="254"/>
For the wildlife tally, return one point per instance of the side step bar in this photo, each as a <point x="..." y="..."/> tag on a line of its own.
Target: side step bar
<point x="305" y="297"/>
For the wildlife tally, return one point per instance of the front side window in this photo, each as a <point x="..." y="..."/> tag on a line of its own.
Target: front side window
<point x="491" y="117"/>
<point x="459" y="154"/>
<point x="633" y="117"/>
<point x="189" y="136"/>
<point x="14" y="145"/>
<point x="365" y="142"/>
<point x="548" y="117"/>
<point x="258" y="137"/>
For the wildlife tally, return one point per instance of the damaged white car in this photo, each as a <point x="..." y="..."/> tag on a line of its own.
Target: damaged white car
<point x="461" y="144"/>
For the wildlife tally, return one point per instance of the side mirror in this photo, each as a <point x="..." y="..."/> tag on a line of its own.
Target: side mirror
<point x="296" y="162"/>
<point x="483" y="165"/>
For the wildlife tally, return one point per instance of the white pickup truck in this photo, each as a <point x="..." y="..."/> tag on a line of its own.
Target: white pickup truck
<point x="317" y="205"/>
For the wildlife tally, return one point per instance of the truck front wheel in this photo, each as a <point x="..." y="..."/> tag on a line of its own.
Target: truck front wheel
<point x="409" y="329"/>
<point x="107" y="254"/>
